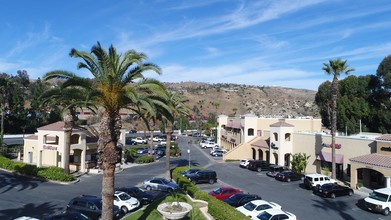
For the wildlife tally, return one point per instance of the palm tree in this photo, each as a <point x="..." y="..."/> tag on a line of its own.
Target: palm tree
<point x="69" y="99"/>
<point x="113" y="74"/>
<point x="335" y="68"/>
<point x="177" y="106"/>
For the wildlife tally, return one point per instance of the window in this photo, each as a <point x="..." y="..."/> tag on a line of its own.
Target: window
<point x="348" y="170"/>
<point x="287" y="137"/>
<point x="250" y="132"/>
<point x="275" y="136"/>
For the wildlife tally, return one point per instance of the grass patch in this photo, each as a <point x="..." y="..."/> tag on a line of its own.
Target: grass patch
<point x="150" y="212"/>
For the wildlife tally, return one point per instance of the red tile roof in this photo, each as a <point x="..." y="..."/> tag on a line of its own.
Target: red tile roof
<point x="375" y="159"/>
<point x="260" y="143"/>
<point x="386" y="137"/>
<point x="56" y="126"/>
<point x="281" y="124"/>
<point x="32" y="137"/>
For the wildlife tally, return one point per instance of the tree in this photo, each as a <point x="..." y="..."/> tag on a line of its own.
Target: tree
<point x="177" y="106"/>
<point x="299" y="162"/>
<point x="112" y="73"/>
<point x="69" y="99"/>
<point x="335" y="68"/>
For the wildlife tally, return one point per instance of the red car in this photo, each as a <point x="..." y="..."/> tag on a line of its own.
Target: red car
<point x="224" y="192"/>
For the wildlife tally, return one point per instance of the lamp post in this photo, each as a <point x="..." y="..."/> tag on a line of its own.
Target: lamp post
<point x="188" y="151"/>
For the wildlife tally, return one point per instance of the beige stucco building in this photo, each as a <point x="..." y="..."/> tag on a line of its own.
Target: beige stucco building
<point x="275" y="140"/>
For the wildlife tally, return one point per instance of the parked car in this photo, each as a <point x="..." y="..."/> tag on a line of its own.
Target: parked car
<point x="132" y="131"/>
<point x="203" y="176"/>
<point x="143" y="196"/>
<point x="274" y="169"/>
<point x="240" y="199"/>
<point x="91" y="206"/>
<point x="140" y="140"/>
<point x="130" y="142"/>
<point x="315" y="179"/>
<point x="253" y="208"/>
<point x="332" y="190"/>
<point x="379" y="201"/>
<point x="258" y="165"/>
<point x="160" y="184"/>
<point x="244" y="163"/>
<point x="224" y="192"/>
<point x="214" y="149"/>
<point x="143" y="150"/>
<point x="288" y="176"/>
<point x="272" y="214"/>
<point x="209" y="144"/>
<point x="66" y="216"/>
<point x="189" y="171"/>
<point x="218" y="153"/>
<point x="125" y="202"/>
<point x="160" y="150"/>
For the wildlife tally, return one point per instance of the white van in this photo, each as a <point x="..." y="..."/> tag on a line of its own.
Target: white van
<point x="379" y="201"/>
<point x="316" y="179"/>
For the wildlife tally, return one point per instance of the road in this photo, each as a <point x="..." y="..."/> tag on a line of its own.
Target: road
<point x="23" y="196"/>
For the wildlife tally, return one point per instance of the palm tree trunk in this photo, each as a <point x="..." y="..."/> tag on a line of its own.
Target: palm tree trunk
<point x="168" y="147"/>
<point x="108" y="157"/>
<point x="68" y="126"/>
<point x="333" y="125"/>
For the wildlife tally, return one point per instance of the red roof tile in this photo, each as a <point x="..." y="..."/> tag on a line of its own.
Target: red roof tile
<point x="386" y="137"/>
<point x="281" y="124"/>
<point x="260" y="143"/>
<point x="375" y="159"/>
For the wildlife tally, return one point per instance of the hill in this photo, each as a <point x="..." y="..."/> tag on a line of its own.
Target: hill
<point x="237" y="99"/>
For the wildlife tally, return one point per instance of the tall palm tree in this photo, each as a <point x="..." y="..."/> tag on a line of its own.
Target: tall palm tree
<point x="177" y="106"/>
<point x="335" y="68"/>
<point x="113" y="73"/>
<point x="70" y="99"/>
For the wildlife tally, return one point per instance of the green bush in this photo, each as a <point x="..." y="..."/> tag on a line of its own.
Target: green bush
<point x="144" y="159"/>
<point x="50" y="173"/>
<point x="54" y="173"/>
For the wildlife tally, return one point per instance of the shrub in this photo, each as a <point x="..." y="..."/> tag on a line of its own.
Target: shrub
<point x="6" y="163"/>
<point x="54" y="173"/>
<point x="144" y="159"/>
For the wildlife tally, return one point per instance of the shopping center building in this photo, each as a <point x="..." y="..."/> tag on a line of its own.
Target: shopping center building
<point x="363" y="159"/>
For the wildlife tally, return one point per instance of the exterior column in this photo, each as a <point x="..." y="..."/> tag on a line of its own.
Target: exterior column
<point x="39" y="158"/>
<point x="83" y="161"/>
<point x="353" y="176"/>
<point x="62" y="159"/>
<point x="388" y="181"/>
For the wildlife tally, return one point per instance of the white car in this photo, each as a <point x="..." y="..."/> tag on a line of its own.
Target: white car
<point x="244" y="163"/>
<point x="140" y="140"/>
<point x="209" y="144"/>
<point x="125" y="202"/>
<point x="272" y="214"/>
<point x="255" y="207"/>
<point x="217" y="149"/>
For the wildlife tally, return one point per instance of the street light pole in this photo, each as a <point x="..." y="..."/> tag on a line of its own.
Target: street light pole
<point x="188" y="151"/>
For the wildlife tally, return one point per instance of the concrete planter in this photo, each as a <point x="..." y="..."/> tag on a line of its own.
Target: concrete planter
<point x="174" y="210"/>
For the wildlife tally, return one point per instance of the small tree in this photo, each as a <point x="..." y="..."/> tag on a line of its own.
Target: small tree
<point x="299" y="162"/>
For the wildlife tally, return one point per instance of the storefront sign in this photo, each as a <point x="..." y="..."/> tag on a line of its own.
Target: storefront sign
<point x="385" y="148"/>
<point x="337" y="146"/>
<point x="49" y="147"/>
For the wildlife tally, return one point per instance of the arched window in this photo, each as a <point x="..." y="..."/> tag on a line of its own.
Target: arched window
<point x="250" y="132"/>
<point x="288" y="137"/>
<point x="275" y="136"/>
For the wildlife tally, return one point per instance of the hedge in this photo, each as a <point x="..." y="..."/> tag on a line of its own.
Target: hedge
<point x="218" y="209"/>
<point x="49" y="173"/>
<point x="144" y="159"/>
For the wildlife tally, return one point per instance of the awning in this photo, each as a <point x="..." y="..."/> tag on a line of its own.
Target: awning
<point x="328" y="157"/>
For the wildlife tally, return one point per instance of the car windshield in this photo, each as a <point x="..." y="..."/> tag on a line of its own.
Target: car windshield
<point x="165" y="181"/>
<point x="250" y="206"/>
<point x="264" y="216"/>
<point x="378" y="196"/>
<point x="98" y="204"/>
<point x="217" y="191"/>
<point x="124" y="196"/>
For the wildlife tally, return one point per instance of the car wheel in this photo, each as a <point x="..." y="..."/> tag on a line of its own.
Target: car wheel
<point x="259" y="169"/>
<point x="149" y="188"/>
<point x="124" y="209"/>
<point x="211" y="181"/>
<point x="350" y="192"/>
<point x="169" y="190"/>
<point x="386" y="211"/>
<point x="288" y="180"/>
<point x="332" y="195"/>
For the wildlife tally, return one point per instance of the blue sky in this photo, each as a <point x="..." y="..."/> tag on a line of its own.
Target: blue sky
<point x="252" y="42"/>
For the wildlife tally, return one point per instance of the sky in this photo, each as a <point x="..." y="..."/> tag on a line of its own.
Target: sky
<point x="252" y="42"/>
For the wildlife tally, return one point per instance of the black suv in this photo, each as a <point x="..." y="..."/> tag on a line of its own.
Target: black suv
<point x="91" y="206"/>
<point x="258" y="165"/>
<point x="203" y="176"/>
